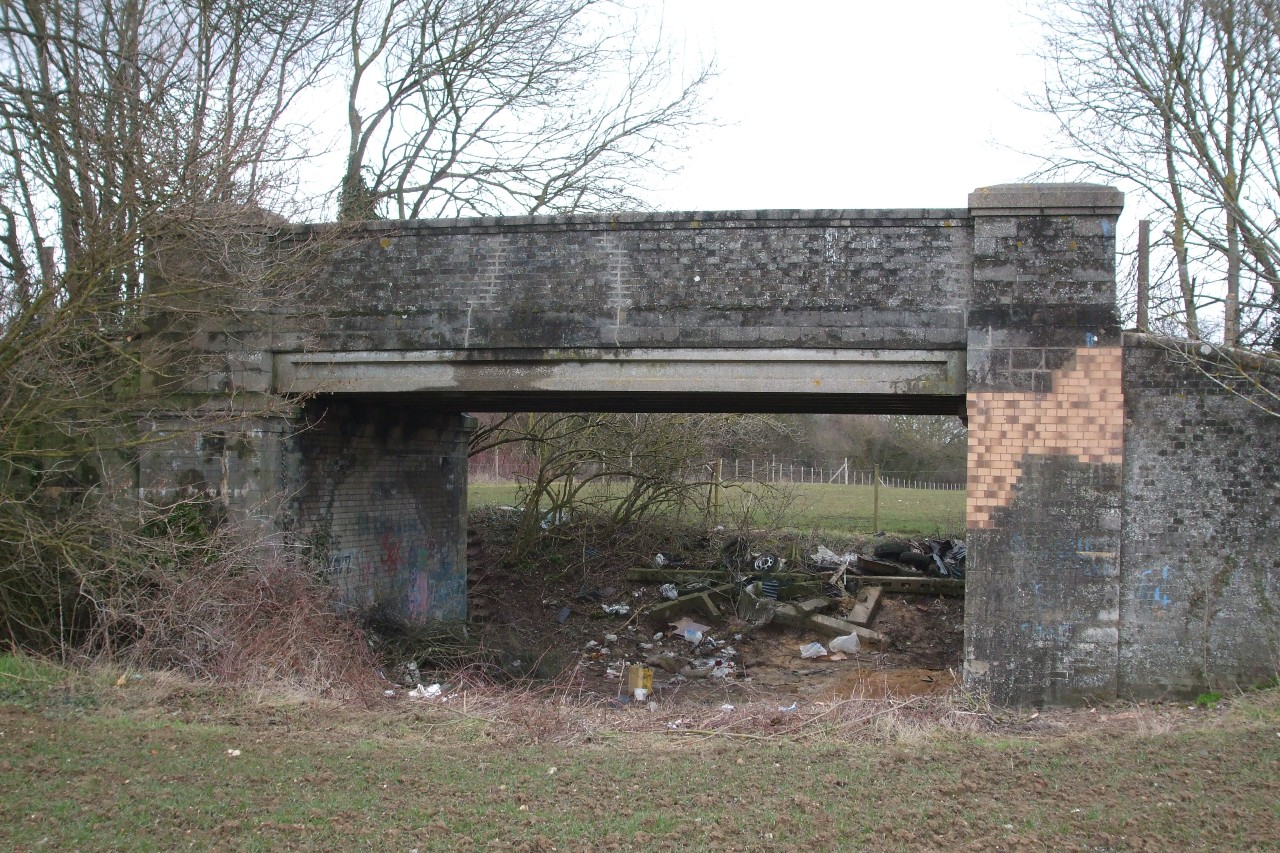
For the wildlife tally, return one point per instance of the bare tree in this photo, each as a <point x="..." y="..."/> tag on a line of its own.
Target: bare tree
<point x="620" y="468"/>
<point x="1179" y="97"/>
<point x="123" y="126"/>
<point x="505" y="106"/>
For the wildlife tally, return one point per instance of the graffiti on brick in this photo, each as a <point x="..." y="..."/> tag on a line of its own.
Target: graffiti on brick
<point x="1153" y="590"/>
<point x="413" y="570"/>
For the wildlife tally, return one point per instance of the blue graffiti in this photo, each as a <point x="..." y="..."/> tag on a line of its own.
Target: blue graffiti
<point x="1153" y="589"/>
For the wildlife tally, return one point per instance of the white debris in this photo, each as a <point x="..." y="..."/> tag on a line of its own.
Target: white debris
<point x="813" y="650"/>
<point x="429" y="691"/>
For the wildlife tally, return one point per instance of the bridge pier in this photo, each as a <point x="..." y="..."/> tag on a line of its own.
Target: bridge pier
<point x="1046" y="420"/>
<point x="381" y="492"/>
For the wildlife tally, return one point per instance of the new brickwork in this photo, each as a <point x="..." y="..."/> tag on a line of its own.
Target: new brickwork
<point x="1082" y="416"/>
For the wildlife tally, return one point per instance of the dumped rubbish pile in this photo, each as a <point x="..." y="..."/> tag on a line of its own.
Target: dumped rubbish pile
<point x="701" y="614"/>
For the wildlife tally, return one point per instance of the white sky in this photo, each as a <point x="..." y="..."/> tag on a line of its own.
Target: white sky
<point x="857" y="104"/>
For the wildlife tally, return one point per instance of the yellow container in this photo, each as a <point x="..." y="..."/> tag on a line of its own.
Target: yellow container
<point x="639" y="677"/>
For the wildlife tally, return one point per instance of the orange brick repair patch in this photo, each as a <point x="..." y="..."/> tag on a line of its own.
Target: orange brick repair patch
<point x="1083" y="416"/>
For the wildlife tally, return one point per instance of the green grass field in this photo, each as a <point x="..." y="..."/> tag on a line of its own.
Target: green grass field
<point x="837" y="509"/>
<point x="154" y="767"/>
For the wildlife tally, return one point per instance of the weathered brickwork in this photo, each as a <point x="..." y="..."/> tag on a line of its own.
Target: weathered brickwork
<point x="1121" y="504"/>
<point x="238" y="461"/>
<point x="1200" y="589"/>
<point x="1081" y="416"/>
<point x="382" y="499"/>
<point x="1045" y="409"/>
<point x="890" y="279"/>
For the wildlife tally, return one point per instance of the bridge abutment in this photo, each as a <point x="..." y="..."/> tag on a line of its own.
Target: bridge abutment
<point x="1046" y="415"/>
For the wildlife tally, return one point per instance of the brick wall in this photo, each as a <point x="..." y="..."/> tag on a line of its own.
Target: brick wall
<point x="381" y="496"/>
<point x="1200" y="599"/>
<point x="1080" y="415"/>
<point x="1045" y="412"/>
<point x="893" y="279"/>
<point x="237" y="461"/>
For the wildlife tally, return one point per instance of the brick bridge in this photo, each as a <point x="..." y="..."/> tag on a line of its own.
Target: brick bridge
<point x="1100" y="462"/>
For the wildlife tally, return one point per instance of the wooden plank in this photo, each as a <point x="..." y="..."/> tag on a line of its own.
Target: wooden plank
<point x="710" y="575"/>
<point x="915" y="586"/>
<point x="674" y="575"/>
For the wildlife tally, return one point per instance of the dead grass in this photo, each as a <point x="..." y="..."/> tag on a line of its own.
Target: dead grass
<point x="266" y="624"/>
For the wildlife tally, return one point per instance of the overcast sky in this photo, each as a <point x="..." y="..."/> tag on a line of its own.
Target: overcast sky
<point x="855" y="104"/>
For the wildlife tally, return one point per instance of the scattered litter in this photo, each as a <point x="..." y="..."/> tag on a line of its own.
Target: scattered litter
<point x="825" y="558"/>
<point x="554" y="519"/>
<point x="794" y="706"/>
<point x="693" y="632"/>
<point x="726" y="707"/>
<point x="721" y="669"/>
<point x="430" y="691"/>
<point x="658" y="636"/>
<point x="234" y="753"/>
<point x="768" y="564"/>
<point x="848" y="644"/>
<point x="813" y="650"/>
<point x="617" y="609"/>
<point x="670" y="591"/>
<point x="660" y="560"/>
<point x="687" y="624"/>
<point x="409" y="673"/>
<point x="640" y="680"/>
<point x="563" y="614"/>
<point x="611" y="638"/>
<point x="389" y="693"/>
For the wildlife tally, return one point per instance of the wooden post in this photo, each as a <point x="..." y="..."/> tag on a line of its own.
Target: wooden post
<point x="875" y="501"/>
<point x="1144" y="273"/>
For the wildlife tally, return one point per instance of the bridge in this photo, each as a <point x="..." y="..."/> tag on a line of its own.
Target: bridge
<point x="1002" y="312"/>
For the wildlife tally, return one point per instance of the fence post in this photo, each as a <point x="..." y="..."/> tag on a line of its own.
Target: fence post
<point x="875" y="501"/>
<point x="1144" y="273"/>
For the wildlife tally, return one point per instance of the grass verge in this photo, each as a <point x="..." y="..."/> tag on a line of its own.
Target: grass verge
<point x="211" y="770"/>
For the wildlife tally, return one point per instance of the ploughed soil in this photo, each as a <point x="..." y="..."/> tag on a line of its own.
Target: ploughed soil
<point x="557" y="621"/>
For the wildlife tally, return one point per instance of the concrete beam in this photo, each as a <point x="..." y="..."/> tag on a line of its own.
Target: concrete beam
<point x="613" y="371"/>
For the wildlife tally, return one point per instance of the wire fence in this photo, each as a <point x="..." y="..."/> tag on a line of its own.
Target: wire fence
<point x="774" y="470"/>
<point x="504" y="465"/>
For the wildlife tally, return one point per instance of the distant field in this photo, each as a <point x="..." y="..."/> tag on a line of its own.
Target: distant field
<point x="817" y="506"/>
